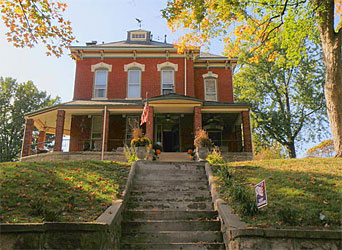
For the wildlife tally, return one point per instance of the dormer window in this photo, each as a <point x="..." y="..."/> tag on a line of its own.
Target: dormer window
<point x="138" y="36"/>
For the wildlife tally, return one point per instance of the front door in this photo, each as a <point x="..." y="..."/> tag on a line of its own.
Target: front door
<point x="167" y="132"/>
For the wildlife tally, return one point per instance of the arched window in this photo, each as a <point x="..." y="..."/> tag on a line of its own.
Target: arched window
<point x="134" y="83"/>
<point x="100" y="79"/>
<point x="210" y="86"/>
<point x="167" y="77"/>
<point x="100" y="84"/>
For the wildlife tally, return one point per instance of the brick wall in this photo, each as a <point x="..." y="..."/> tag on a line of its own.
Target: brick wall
<point x="117" y="79"/>
<point x="150" y="79"/>
<point x="224" y="83"/>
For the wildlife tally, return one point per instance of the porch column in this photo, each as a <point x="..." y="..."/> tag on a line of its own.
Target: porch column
<point x="27" y="141"/>
<point x="247" y="136"/>
<point x="41" y="139"/>
<point x="59" y="130"/>
<point x="105" y="122"/>
<point x="197" y="119"/>
<point x="150" y="123"/>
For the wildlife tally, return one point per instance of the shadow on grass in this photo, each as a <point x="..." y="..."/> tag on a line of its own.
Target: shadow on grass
<point x="59" y="191"/>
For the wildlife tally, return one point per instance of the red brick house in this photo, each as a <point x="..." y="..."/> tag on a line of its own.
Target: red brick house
<point x="186" y="92"/>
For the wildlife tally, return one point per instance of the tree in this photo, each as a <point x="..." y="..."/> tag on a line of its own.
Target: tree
<point x="251" y="25"/>
<point x="287" y="100"/>
<point x="16" y="99"/>
<point x="324" y="149"/>
<point x="32" y="21"/>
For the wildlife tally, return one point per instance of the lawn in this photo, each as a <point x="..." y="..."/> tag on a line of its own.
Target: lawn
<point x="300" y="192"/>
<point x="59" y="191"/>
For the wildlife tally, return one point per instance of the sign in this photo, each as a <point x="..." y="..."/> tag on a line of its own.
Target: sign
<point x="260" y="192"/>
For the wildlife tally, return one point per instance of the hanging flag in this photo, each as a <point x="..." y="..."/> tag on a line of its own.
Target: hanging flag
<point x="144" y="116"/>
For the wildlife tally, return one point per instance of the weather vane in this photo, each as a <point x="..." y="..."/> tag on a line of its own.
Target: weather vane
<point x="139" y="22"/>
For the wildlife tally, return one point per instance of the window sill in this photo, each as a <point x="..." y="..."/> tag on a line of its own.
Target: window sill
<point x="133" y="98"/>
<point x="99" y="98"/>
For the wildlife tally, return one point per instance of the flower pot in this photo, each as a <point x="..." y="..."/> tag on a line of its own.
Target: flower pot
<point x="141" y="152"/>
<point x="202" y="153"/>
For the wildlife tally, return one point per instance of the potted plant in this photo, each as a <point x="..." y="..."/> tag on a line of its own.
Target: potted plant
<point x="140" y="143"/>
<point x="203" y="144"/>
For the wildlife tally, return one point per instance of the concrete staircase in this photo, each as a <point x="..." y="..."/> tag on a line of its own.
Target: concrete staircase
<point x="171" y="208"/>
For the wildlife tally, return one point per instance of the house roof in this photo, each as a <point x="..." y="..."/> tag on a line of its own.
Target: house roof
<point x="133" y="44"/>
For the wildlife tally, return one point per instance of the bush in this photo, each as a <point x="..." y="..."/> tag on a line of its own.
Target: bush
<point x="215" y="158"/>
<point x="130" y="154"/>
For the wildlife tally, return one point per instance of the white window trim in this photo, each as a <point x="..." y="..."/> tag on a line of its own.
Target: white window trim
<point x="161" y="81"/>
<point x="140" y="38"/>
<point x="101" y="65"/>
<point x="133" y="98"/>
<point x="134" y="65"/>
<point x="207" y="76"/>
<point x="210" y="75"/>
<point x="167" y="65"/>
<point x="94" y="84"/>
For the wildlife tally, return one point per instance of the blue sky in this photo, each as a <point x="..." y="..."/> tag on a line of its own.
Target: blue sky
<point x="100" y="20"/>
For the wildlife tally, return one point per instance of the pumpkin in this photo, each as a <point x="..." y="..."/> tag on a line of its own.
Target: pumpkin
<point x="158" y="151"/>
<point x="190" y="151"/>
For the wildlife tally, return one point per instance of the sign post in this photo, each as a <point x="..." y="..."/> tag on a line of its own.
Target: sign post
<point x="260" y="192"/>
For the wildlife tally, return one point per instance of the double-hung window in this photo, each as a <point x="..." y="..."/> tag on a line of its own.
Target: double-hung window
<point x="100" y="85"/>
<point x="168" y="81"/>
<point x="134" y="83"/>
<point x="210" y="89"/>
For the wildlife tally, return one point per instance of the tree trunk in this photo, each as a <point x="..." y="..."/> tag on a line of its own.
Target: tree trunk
<point x="291" y="149"/>
<point x="331" y="44"/>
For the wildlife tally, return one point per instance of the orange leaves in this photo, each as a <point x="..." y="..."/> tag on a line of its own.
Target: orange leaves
<point x="31" y="22"/>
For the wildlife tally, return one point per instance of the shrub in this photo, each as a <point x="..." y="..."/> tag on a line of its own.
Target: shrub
<point x="130" y="154"/>
<point x="215" y="158"/>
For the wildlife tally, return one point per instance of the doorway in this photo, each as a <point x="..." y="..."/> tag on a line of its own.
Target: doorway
<point x="167" y="132"/>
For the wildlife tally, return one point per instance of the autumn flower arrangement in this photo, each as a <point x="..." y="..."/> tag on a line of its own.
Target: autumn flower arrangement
<point x="202" y="140"/>
<point x="139" y="140"/>
<point x="203" y="144"/>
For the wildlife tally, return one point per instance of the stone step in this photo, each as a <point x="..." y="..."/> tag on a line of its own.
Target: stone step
<point x="187" y="246"/>
<point x="171" y="177"/>
<point x="175" y="198"/>
<point x="170" y="172"/>
<point x="186" y="205"/>
<point x="137" y="215"/>
<point x="170" y="194"/>
<point x="169" y="188"/>
<point x="170" y="166"/>
<point x="166" y="195"/>
<point x="173" y="237"/>
<point x="166" y="183"/>
<point x="175" y="225"/>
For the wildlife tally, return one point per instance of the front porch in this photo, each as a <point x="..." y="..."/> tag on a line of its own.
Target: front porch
<point x="105" y="127"/>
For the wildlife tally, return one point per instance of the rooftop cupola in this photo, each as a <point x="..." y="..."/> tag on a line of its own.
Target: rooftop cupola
<point x="138" y="36"/>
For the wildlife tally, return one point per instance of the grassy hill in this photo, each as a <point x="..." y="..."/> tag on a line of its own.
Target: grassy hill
<point x="59" y="191"/>
<point x="301" y="192"/>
